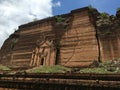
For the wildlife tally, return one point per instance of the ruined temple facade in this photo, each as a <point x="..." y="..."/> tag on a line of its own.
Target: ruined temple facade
<point x="71" y="40"/>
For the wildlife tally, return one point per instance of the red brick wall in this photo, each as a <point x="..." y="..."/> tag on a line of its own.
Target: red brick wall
<point x="110" y="46"/>
<point x="78" y="44"/>
<point x="79" y="47"/>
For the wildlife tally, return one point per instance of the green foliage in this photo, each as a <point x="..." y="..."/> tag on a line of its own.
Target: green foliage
<point x="60" y="19"/>
<point x="106" y="24"/>
<point x="94" y="70"/>
<point x="105" y="67"/>
<point x="104" y="15"/>
<point x="49" y="69"/>
<point x="62" y="22"/>
<point x="4" y="68"/>
<point x="103" y="21"/>
<point x="113" y="65"/>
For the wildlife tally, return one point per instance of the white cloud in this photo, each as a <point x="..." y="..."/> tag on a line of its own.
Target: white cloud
<point x="16" y="12"/>
<point x="57" y="4"/>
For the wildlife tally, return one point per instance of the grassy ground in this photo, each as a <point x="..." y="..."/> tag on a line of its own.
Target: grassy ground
<point x="105" y="67"/>
<point x="4" y="68"/>
<point x="49" y="69"/>
<point x="112" y="66"/>
<point x="94" y="70"/>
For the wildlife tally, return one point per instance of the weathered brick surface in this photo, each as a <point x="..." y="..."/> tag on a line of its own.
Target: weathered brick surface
<point x="81" y="48"/>
<point x="76" y="46"/>
<point x="110" y="46"/>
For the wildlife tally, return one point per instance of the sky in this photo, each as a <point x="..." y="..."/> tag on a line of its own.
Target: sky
<point x="16" y="12"/>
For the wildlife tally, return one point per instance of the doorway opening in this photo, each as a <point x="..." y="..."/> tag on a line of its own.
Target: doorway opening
<point x="42" y="61"/>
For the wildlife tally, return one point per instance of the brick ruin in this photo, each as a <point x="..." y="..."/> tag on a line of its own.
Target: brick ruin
<point x="71" y="40"/>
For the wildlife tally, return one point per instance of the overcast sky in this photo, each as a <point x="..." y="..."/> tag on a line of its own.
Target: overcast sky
<point x="16" y="12"/>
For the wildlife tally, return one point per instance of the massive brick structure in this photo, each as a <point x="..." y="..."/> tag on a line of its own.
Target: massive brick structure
<point x="70" y="40"/>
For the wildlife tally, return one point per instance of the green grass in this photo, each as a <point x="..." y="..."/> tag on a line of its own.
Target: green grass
<point x="4" y="68"/>
<point x="105" y="67"/>
<point x="94" y="70"/>
<point x="49" y="69"/>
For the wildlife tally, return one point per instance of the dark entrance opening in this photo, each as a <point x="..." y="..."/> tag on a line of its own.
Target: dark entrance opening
<point x="42" y="61"/>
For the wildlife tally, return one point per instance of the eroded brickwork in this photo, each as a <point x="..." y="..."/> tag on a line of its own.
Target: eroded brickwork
<point x="74" y="40"/>
<point x="110" y="46"/>
<point x="79" y="47"/>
